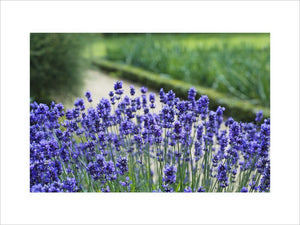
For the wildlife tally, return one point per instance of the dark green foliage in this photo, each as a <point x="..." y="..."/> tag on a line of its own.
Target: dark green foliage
<point x="55" y="65"/>
<point x="236" y="108"/>
<point x="241" y="70"/>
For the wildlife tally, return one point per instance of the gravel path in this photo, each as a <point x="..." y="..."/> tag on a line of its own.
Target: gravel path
<point x="100" y="84"/>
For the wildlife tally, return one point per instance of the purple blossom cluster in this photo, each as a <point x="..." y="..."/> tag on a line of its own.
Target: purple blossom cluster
<point x="126" y="144"/>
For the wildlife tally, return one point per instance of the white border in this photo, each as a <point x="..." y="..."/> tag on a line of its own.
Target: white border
<point x="280" y="18"/>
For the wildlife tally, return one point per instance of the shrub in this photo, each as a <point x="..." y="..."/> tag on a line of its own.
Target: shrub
<point x="55" y="65"/>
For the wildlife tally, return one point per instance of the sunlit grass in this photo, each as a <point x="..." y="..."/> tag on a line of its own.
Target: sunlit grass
<point x="97" y="49"/>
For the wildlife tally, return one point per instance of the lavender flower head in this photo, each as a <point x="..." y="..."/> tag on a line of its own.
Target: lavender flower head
<point x="88" y="96"/>
<point x="118" y="89"/>
<point x="132" y="90"/>
<point x="259" y="116"/>
<point x="144" y="90"/>
<point x="170" y="174"/>
<point x="244" y="189"/>
<point x="118" y="85"/>
<point x="192" y="94"/>
<point x="122" y="165"/>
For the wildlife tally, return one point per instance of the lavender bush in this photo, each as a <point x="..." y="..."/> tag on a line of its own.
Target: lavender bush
<point x="123" y="145"/>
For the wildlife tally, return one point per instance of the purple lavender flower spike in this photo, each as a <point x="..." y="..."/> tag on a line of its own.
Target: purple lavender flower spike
<point x="244" y="189"/>
<point x="88" y="96"/>
<point x="144" y="90"/>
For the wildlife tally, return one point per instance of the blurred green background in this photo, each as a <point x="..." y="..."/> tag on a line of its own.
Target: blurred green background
<point x="57" y="64"/>
<point x="236" y="64"/>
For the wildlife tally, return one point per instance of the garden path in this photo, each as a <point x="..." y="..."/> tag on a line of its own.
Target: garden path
<point x="100" y="84"/>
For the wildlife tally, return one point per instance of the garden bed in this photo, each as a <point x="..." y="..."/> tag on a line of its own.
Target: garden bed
<point x="121" y="145"/>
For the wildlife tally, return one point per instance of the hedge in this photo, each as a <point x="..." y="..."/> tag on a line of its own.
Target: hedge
<point x="55" y="65"/>
<point x="236" y="108"/>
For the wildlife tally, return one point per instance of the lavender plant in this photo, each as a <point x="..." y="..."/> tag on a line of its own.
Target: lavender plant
<point x="124" y="145"/>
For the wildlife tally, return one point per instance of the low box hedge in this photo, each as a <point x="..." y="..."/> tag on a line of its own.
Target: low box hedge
<point x="236" y="108"/>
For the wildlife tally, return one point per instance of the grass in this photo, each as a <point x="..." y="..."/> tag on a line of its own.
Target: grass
<point x="98" y="49"/>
